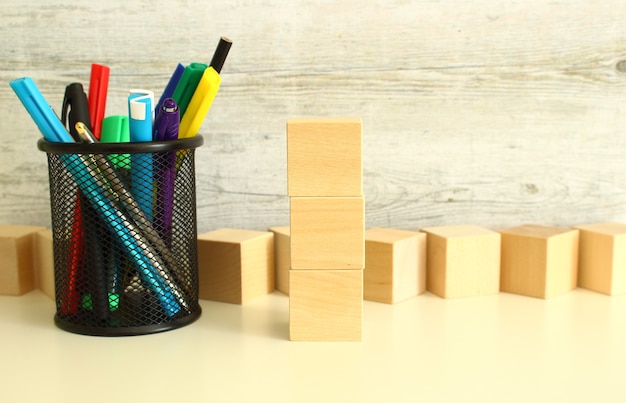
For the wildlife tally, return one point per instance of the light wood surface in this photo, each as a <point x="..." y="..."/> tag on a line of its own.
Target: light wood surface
<point x="282" y="257"/>
<point x="462" y="261"/>
<point x="395" y="265"/>
<point x="490" y="113"/>
<point x="539" y="261"/>
<point x="235" y="265"/>
<point x="17" y="259"/>
<point x="327" y="233"/>
<point x="325" y="305"/>
<point x="44" y="262"/>
<point x="324" y="157"/>
<point x="602" y="264"/>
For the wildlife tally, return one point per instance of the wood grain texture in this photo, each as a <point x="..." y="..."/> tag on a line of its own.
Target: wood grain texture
<point x="486" y="113"/>
<point x="539" y="261"/>
<point x="324" y="157"/>
<point x="602" y="261"/>
<point x="327" y="233"/>
<point x="325" y="305"/>
<point x="17" y="266"/>
<point x="462" y="261"/>
<point x="235" y="265"/>
<point x="395" y="265"/>
<point x="44" y="262"/>
<point x="282" y="257"/>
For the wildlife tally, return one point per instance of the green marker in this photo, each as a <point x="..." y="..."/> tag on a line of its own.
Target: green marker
<point x="115" y="129"/>
<point x="114" y="302"/>
<point x="187" y="85"/>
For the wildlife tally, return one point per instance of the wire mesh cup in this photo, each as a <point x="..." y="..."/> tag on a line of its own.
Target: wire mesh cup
<point x="124" y="236"/>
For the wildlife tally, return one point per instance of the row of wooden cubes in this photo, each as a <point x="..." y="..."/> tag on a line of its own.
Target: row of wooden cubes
<point x="237" y="265"/>
<point x="457" y="261"/>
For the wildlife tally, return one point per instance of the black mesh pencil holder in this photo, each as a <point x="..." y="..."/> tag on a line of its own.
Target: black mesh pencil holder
<point x="124" y="236"/>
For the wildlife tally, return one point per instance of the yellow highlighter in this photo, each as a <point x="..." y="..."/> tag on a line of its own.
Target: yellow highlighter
<point x="205" y="92"/>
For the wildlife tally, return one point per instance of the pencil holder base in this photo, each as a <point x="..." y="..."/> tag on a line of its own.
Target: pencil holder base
<point x="124" y="236"/>
<point x="114" y="331"/>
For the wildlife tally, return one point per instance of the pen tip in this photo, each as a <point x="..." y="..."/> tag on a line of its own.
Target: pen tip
<point x="84" y="133"/>
<point x="80" y="127"/>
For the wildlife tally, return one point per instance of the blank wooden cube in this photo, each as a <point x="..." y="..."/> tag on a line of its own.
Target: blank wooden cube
<point x="326" y="305"/>
<point x="235" y="265"/>
<point x="17" y="272"/>
<point x="539" y="261"/>
<point x="395" y="265"/>
<point x="462" y="261"/>
<point x="44" y="262"/>
<point x="324" y="157"/>
<point x="282" y="257"/>
<point x="327" y="233"/>
<point x="602" y="257"/>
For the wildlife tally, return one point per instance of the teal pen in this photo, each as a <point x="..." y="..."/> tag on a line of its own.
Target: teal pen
<point x="118" y="191"/>
<point x="130" y="236"/>
<point x="115" y="129"/>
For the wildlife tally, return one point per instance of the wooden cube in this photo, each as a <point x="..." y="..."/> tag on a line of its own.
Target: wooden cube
<point x="395" y="265"/>
<point x="282" y="257"/>
<point x="325" y="305"/>
<point x="235" y="265"/>
<point x="602" y="257"/>
<point x="462" y="261"/>
<point x="17" y="272"/>
<point x="324" y="157"/>
<point x="44" y="262"/>
<point x="539" y="261"/>
<point x="327" y="233"/>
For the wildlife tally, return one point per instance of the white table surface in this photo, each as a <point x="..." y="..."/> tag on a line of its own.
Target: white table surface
<point x="500" y="348"/>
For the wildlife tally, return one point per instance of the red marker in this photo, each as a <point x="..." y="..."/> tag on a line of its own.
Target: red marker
<point x="71" y="295"/>
<point x="98" y="87"/>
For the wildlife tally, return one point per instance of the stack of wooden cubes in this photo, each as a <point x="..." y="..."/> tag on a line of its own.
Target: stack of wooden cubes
<point x="325" y="187"/>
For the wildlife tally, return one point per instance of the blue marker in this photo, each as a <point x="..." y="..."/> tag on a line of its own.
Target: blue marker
<point x="141" y="115"/>
<point x="46" y="120"/>
<point x="171" y="85"/>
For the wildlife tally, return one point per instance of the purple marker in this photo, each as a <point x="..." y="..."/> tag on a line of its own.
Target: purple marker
<point x="167" y="121"/>
<point x="165" y="129"/>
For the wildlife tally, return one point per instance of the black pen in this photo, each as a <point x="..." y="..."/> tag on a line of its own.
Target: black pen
<point x="75" y="108"/>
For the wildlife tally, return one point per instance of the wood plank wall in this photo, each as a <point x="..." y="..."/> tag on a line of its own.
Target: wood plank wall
<point x="493" y="113"/>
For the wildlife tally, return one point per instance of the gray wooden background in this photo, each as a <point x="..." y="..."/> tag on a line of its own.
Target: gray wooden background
<point x="494" y="113"/>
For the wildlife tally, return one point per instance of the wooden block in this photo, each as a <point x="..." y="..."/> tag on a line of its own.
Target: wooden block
<point x="395" y="265"/>
<point x="235" y="265"/>
<point x="324" y="157"/>
<point x="327" y="233"/>
<point x="17" y="273"/>
<point x="539" y="261"/>
<point x="462" y="261"/>
<point x="602" y="257"/>
<point x="282" y="257"/>
<point x="325" y="305"/>
<point x="44" y="262"/>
